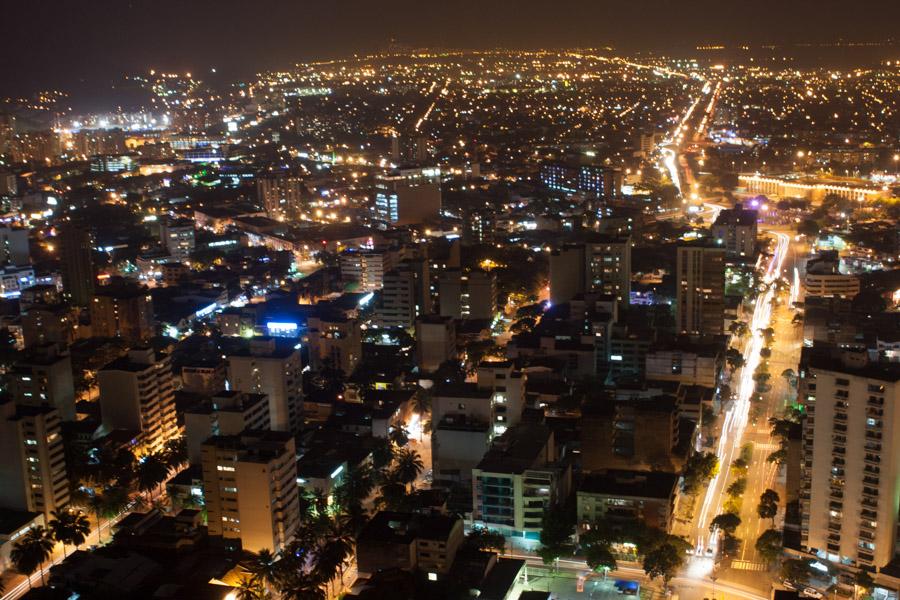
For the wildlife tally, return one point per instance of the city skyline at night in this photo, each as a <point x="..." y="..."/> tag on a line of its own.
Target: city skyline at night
<point x="431" y="301"/>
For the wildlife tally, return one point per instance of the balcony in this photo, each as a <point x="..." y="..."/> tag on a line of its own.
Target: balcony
<point x="872" y="459"/>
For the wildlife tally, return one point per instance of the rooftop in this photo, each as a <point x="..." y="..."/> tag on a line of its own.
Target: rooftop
<point x="517" y="450"/>
<point x="848" y="361"/>
<point x="14" y="520"/>
<point x="403" y="528"/>
<point x="632" y="484"/>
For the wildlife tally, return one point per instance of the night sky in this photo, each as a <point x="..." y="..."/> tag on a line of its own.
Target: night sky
<point x="56" y="43"/>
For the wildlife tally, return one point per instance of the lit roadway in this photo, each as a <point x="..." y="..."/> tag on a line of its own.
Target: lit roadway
<point x="734" y="423"/>
<point x="19" y="585"/>
<point x="736" y="417"/>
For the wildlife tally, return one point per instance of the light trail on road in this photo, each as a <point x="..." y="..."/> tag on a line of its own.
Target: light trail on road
<point x="737" y="416"/>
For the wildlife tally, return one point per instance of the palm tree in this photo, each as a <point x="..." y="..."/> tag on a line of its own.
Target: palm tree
<point x="398" y="436"/>
<point x="117" y="468"/>
<point x="249" y="588"/>
<point x="421" y="402"/>
<point x="263" y="567"/>
<point x="382" y="453"/>
<point x="340" y="541"/>
<point x="109" y="503"/>
<point x="302" y="586"/>
<point x="790" y="377"/>
<point x="152" y="471"/>
<point x="355" y="487"/>
<point x="175" y="454"/>
<point x="30" y="552"/>
<point x="408" y="465"/>
<point x="738" y="328"/>
<point x="329" y="561"/>
<point x="69" y="527"/>
<point x="392" y="493"/>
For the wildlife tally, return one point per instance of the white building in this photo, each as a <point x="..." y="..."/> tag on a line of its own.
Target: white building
<point x="137" y="393"/>
<point x="33" y="470"/>
<point x="224" y="413"/>
<point x="273" y="368"/>
<point x="735" y="230"/>
<point x="850" y="486"/>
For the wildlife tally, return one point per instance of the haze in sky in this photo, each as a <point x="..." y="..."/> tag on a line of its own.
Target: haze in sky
<point x="53" y="43"/>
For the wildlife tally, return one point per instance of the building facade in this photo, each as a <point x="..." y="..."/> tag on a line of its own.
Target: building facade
<point x="273" y="368"/>
<point x="700" y="289"/>
<point x="850" y="486"/>
<point x="250" y="489"/>
<point x="33" y="470"/>
<point x="137" y="394"/>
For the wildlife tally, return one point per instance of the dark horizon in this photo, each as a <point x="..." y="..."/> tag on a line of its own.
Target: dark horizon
<point x="66" y="45"/>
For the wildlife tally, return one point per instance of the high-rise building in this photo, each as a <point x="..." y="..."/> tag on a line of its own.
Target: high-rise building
<point x="507" y="384"/>
<point x="33" y="469"/>
<point x="281" y="195"/>
<point x="9" y="186"/>
<point x="335" y="341"/>
<point x="478" y="227"/>
<point x="75" y="252"/>
<point x="631" y="434"/>
<point x="435" y="341"/>
<point x="408" y="197"/>
<point x="467" y="295"/>
<point x="250" y="489"/>
<point x="137" y="394"/>
<point x="7" y="133"/>
<point x="112" y="163"/>
<point x="177" y="238"/>
<point x="566" y="273"/>
<point x="14" y="246"/>
<point x="405" y="292"/>
<point x="601" y="265"/>
<point x="227" y="412"/>
<point x="608" y="264"/>
<point x="735" y="230"/>
<point x="50" y="323"/>
<point x="518" y="480"/>
<point x="274" y="368"/>
<point x="573" y="177"/>
<point x="850" y="472"/>
<point x="367" y="267"/>
<point x="123" y="309"/>
<point x="700" y="289"/>
<point x="44" y="378"/>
